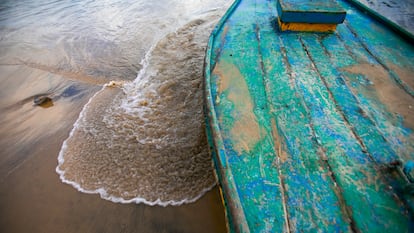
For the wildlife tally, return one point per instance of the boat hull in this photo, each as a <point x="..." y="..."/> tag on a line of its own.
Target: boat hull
<point x="310" y="131"/>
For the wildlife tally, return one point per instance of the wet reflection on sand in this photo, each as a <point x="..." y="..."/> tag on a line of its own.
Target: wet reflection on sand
<point x="67" y="52"/>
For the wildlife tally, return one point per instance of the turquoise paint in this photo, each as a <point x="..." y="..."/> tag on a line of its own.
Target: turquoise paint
<point x="306" y="172"/>
<point x="354" y="173"/>
<point x="322" y="159"/>
<point x="348" y="104"/>
<point x="409" y="170"/>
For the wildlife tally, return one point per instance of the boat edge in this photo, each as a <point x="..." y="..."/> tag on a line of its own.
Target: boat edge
<point x="382" y="19"/>
<point x="215" y="141"/>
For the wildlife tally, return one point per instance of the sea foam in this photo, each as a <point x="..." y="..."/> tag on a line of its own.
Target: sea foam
<point x="144" y="141"/>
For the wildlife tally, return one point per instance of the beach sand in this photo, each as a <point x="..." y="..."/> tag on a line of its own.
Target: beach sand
<point x="32" y="197"/>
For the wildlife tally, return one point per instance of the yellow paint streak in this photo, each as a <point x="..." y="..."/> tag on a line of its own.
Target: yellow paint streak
<point x="306" y="27"/>
<point x="246" y="131"/>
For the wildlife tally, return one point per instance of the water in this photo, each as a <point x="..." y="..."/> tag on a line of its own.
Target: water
<point x="140" y="138"/>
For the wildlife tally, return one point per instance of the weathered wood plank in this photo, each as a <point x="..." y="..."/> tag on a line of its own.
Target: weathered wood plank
<point x="250" y="164"/>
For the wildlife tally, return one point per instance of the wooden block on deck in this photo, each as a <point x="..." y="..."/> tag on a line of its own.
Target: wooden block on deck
<point x="306" y="27"/>
<point x="310" y="11"/>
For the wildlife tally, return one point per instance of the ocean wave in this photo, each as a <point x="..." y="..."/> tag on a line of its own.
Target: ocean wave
<point x="143" y="141"/>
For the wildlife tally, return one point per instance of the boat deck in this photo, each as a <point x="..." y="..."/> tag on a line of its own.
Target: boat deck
<point x="311" y="131"/>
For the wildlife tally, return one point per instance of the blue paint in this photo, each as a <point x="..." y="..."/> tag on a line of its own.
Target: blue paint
<point x="409" y="170"/>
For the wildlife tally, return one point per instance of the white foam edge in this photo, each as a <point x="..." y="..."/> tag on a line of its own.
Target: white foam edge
<point x="101" y="191"/>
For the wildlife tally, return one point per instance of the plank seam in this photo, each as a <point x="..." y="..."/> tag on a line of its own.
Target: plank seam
<point x="321" y="149"/>
<point x="330" y="94"/>
<point x="338" y="190"/>
<point x="324" y="163"/>
<point x="274" y="134"/>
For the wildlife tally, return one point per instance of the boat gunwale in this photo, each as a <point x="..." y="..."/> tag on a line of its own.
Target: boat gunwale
<point x="401" y="31"/>
<point x="213" y="131"/>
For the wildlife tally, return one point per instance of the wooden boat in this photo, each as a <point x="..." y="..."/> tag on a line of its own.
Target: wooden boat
<point x="310" y="131"/>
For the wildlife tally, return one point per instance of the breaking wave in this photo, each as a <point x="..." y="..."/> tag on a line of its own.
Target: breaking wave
<point x="143" y="141"/>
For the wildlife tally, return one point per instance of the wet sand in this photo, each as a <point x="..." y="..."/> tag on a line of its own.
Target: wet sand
<point x="32" y="197"/>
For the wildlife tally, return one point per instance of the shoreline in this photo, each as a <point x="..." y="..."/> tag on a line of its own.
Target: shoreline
<point x="33" y="198"/>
